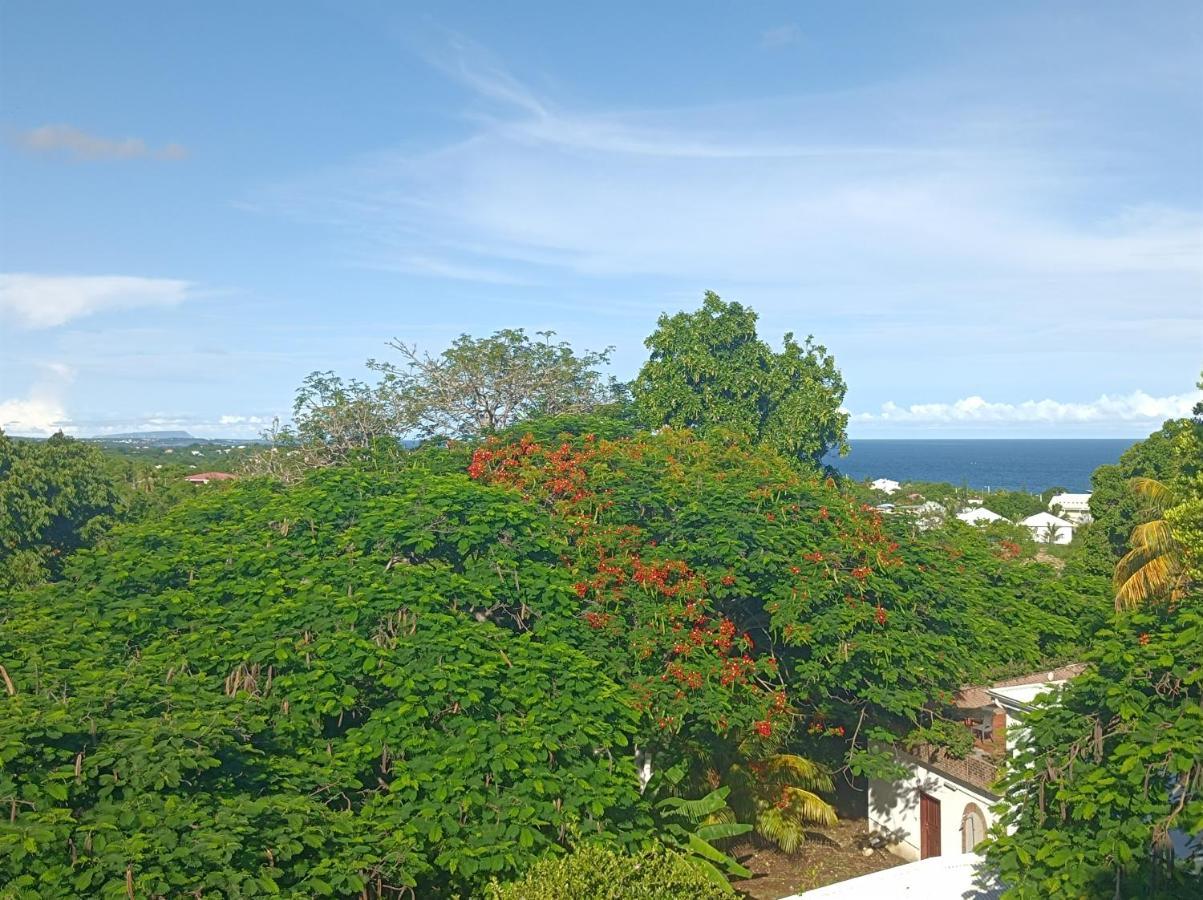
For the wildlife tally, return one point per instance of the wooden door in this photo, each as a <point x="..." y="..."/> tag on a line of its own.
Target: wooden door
<point x="929" y="826"/>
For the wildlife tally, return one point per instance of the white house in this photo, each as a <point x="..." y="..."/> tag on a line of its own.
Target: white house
<point x="943" y="804"/>
<point x="1074" y="507"/>
<point x="885" y="485"/>
<point x="979" y="515"/>
<point x="927" y="515"/>
<point x="1049" y="529"/>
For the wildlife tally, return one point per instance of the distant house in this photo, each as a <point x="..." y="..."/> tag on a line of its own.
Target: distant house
<point x="943" y="804"/>
<point x="1049" y="529"/>
<point x="979" y="515"/>
<point x="1074" y="507"/>
<point x="885" y="485"/>
<point x="206" y="477"/>
<point x="927" y="515"/>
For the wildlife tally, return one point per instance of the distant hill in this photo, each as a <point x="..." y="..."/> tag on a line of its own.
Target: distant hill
<point x="146" y="436"/>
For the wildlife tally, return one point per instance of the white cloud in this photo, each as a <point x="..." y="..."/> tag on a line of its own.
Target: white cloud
<point x="44" y="301"/>
<point x="34" y="416"/>
<point x="41" y="412"/>
<point x="1134" y="408"/>
<point x="80" y="145"/>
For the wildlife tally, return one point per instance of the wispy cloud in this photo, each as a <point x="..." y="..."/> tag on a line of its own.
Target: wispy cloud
<point x="781" y="36"/>
<point x="1136" y="407"/>
<point x="76" y="144"/>
<point x="810" y="190"/>
<point x="35" y="301"/>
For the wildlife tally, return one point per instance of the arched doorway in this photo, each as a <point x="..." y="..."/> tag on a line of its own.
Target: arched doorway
<point x="973" y="827"/>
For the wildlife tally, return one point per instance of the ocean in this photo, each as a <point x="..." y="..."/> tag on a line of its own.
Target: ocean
<point x="1013" y="465"/>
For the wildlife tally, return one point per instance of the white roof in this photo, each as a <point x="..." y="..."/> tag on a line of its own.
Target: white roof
<point x="1044" y="519"/>
<point x="952" y="877"/>
<point x="1023" y="694"/>
<point x="1071" y="499"/>
<point x="980" y="514"/>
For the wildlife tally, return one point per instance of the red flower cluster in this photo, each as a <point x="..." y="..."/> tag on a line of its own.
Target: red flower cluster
<point x="764" y="728"/>
<point x="736" y="670"/>
<point x="598" y="620"/>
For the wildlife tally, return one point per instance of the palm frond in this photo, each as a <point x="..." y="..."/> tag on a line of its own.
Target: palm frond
<point x="1142" y="576"/>
<point x="809" y="807"/>
<point x="1159" y="495"/>
<point x="784" y="831"/>
<point x="1155" y="535"/>
<point x="789" y="768"/>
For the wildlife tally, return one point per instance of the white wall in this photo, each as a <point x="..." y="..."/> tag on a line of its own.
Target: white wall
<point x="894" y="807"/>
<point x="1063" y="535"/>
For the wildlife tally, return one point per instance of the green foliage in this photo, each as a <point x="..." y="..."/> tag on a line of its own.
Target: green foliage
<point x="1111" y="774"/>
<point x="62" y="494"/>
<point x="780" y="601"/>
<point x="710" y="372"/>
<point x="591" y="872"/>
<point x="1113" y="505"/>
<point x="1014" y="505"/>
<point x="690" y="826"/>
<point x="392" y="674"/>
<point x="338" y="681"/>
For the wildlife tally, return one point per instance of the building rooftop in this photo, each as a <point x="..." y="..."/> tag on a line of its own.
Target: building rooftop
<point x="1046" y="518"/>
<point x="978" y="696"/>
<point x="962" y="877"/>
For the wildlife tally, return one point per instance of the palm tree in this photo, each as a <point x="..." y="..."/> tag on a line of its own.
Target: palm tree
<point x="776" y="793"/>
<point x="778" y="796"/>
<point x="1153" y="568"/>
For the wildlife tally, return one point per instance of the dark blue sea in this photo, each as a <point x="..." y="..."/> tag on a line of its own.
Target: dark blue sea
<point x="1013" y="465"/>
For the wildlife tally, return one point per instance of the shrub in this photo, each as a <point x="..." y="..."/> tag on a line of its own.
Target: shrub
<point x="593" y="872"/>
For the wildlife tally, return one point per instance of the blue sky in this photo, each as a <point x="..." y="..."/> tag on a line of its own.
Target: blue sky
<point x="992" y="214"/>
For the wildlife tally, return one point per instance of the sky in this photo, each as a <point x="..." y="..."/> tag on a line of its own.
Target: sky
<point x="991" y="214"/>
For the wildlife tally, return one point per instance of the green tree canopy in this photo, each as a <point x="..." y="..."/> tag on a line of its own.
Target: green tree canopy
<point x="710" y="371"/>
<point x="56" y="496"/>
<point x="316" y="691"/>
<point x="1105" y="797"/>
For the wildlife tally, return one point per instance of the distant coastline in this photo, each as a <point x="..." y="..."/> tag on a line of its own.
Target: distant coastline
<point x="1013" y="464"/>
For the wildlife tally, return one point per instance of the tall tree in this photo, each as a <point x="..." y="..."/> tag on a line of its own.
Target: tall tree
<point x="480" y="386"/>
<point x="56" y="496"/>
<point x="709" y="371"/>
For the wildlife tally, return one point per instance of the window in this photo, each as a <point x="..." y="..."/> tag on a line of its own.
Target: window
<point x="973" y="827"/>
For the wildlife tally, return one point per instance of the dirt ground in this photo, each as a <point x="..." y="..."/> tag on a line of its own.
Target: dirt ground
<point x="833" y="854"/>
